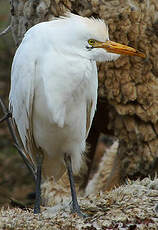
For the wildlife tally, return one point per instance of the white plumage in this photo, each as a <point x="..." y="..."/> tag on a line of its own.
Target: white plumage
<point x="54" y="87"/>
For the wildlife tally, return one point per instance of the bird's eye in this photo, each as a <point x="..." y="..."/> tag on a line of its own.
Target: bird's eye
<point x="91" y="42"/>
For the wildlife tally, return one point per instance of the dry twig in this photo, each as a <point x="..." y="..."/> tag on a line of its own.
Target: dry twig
<point x="7" y="116"/>
<point x="5" y="31"/>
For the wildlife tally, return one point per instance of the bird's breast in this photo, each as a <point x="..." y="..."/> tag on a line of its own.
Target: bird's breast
<point x="60" y="104"/>
<point x="60" y="113"/>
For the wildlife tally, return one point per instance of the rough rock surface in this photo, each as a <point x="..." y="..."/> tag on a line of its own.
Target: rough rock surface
<point x="129" y="85"/>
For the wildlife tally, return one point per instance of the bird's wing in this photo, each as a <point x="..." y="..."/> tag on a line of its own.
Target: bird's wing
<point x="90" y="111"/>
<point x="21" y="98"/>
<point x="89" y="116"/>
<point x="92" y="102"/>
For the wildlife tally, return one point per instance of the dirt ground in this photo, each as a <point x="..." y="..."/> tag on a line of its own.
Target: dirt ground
<point x="129" y="207"/>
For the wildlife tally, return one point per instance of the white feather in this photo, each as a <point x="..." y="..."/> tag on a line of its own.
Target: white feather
<point x="53" y="79"/>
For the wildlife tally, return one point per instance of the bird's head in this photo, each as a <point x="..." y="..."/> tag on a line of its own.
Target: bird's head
<point x="89" y="38"/>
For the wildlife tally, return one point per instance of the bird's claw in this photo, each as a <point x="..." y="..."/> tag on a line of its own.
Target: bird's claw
<point x="76" y="210"/>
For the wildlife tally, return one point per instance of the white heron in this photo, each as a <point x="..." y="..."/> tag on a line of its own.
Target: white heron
<point x="53" y="92"/>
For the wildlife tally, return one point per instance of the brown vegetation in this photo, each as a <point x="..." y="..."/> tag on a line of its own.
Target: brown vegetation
<point x="131" y="206"/>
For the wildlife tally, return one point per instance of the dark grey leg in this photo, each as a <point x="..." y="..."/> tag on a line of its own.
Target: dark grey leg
<point x="75" y="205"/>
<point x="38" y="186"/>
<point x="156" y="208"/>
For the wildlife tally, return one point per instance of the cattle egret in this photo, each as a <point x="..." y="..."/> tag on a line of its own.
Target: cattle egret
<point x="53" y="92"/>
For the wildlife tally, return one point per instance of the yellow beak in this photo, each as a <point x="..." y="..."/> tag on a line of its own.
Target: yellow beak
<point x="114" y="47"/>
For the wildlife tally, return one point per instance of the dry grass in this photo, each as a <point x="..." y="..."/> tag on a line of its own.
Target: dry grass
<point x="131" y="206"/>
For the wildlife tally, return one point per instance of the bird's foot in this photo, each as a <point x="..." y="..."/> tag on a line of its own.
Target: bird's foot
<point x="36" y="210"/>
<point x="77" y="210"/>
<point x="79" y="213"/>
